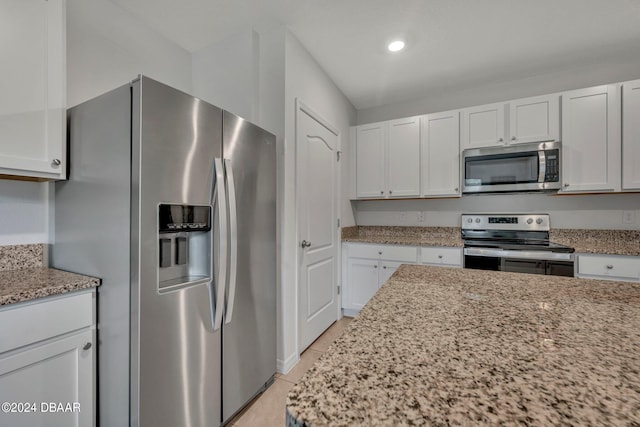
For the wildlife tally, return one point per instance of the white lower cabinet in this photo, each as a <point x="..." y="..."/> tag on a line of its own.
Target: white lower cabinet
<point x="608" y="267"/>
<point x="49" y="381"/>
<point x="449" y="257"/>
<point x="366" y="267"/>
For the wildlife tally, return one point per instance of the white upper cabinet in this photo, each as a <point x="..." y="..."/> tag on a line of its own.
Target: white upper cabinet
<point x="441" y="154"/>
<point x="631" y="135"/>
<point x="32" y="105"/>
<point x="483" y="126"/>
<point x="370" y="150"/>
<point x="403" y="152"/>
<point x="591" y="140"/>
<point x="387" y="159"/>
<point x="535" y="119"/>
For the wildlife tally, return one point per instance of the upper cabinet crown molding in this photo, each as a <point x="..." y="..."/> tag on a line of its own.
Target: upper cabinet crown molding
<point x="32" y="108"/>
<point x="591" y="145"/>
<point x="631" y="135"/>
<point x="535" y="119"/>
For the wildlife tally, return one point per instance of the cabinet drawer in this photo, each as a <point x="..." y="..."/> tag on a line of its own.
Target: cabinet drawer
<point x="400" y="254"/>
<point x="365" y="251"/>
<point x="443" y="256"/>
<point x="44" y="319"/>
<point x="613" y="267"/>
<point x="386" y="252"/>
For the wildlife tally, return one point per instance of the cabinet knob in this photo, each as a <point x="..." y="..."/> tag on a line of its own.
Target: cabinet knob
<point x="440" y="256"/>
<point x="56" y="162"/>
<point x="500" y="139"/>
<point x="513" y="138"/>
<point x="390" y="192"/>
<point x="609" y="267"/>
<point x="566" y="184"/>
<point x="382" y="192"/>
<point x="456" y="189"/>
<point x="87" y="346"/>
<point x="379" y="252"/>
<point x="384" y="266"/>
<point x="375" y="266"/>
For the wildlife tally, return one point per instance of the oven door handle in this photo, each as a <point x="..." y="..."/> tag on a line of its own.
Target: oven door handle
<point x="501" y="253"/>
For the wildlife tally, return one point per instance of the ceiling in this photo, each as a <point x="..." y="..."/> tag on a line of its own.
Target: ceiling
<point x="450" y="43"/>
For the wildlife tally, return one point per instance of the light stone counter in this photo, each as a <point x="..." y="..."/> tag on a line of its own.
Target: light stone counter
<point x="612" y="242"/>
<point x="23" y="277"/>
<point x="444" y="346"/>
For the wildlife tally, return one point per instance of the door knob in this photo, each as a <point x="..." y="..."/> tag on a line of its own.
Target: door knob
<point x="305" y="244"/>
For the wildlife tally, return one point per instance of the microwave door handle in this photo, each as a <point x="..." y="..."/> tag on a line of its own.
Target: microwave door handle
<point x="542" y="166"/>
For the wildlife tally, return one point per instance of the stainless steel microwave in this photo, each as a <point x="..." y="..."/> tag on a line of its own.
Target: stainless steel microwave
<point x="522" y="167"/>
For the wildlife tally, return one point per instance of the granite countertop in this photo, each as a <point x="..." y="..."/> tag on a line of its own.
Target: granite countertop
<point x="445" y="346"/>
<point x="612" y="242"/>
<point x="24" y="278"/>
<point x="412" y="236"/>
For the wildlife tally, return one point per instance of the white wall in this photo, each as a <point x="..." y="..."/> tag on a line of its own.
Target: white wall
<point x="307" y="82"/>
<point x="226" y="74"/>
<point x="106" y="48"/>
<point x="600" y="211"/>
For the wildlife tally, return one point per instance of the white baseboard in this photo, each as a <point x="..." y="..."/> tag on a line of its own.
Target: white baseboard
<point x="284" y="366"/>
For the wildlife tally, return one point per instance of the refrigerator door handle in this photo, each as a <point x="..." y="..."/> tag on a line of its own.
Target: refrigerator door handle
<point x="233" y="236"/>
<point x="218" y="288"/>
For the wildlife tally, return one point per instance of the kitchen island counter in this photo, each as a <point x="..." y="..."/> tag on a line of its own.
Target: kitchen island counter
<point x="440" y="346"/>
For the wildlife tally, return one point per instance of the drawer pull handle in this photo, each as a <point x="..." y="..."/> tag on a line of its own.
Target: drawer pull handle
<point x="87" y="346"/>
<point x="609" y="267"/>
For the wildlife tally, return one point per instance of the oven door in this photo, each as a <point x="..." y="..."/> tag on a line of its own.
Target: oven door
<point x="533" y="262"/>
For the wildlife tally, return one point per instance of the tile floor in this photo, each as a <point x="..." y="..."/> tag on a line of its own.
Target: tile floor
<point x="268" y="409"/>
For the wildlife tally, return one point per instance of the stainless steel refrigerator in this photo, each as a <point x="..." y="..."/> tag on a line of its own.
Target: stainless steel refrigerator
<point x="171" y="202"/>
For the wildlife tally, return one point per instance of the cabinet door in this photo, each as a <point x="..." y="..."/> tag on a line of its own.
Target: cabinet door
<point x="441" y="154"/>
<point x="609" y="267"/>
<point x="403" y="154"/>
<point x="591" y="140"/>
<point x="631" y="135"/>
<point x="362" y="282"/>
<point x="534" y="119"/>
<point x="32" y="105"/>
<point x="59" y="372"/>
<point x="387" y="268"/>
<point x="370" y="149"/>
<point x="482" y="126"/>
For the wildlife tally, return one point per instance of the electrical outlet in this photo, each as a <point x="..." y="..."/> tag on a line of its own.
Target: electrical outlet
<point x="403" y="216"/>
<point x="628" y="217"/>
<point x="422" y="216"/>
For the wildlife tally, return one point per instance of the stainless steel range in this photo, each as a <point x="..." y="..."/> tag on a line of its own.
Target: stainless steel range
<point x="514" y="242"/>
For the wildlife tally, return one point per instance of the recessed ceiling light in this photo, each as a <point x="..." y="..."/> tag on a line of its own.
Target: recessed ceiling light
<point x="395" y="46"/>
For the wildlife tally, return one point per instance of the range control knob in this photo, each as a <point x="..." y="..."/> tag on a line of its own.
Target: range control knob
<point x="539" y="221"/>
<point x="478" y="220"/>
<point x="529" y="221"/>
<point x="469" y="220"/>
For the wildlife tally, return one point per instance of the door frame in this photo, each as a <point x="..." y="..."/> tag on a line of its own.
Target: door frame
<point x="302" y="107"/>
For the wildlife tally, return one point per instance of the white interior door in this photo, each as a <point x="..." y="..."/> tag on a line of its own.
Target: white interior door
<point x="317" y="146"/>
